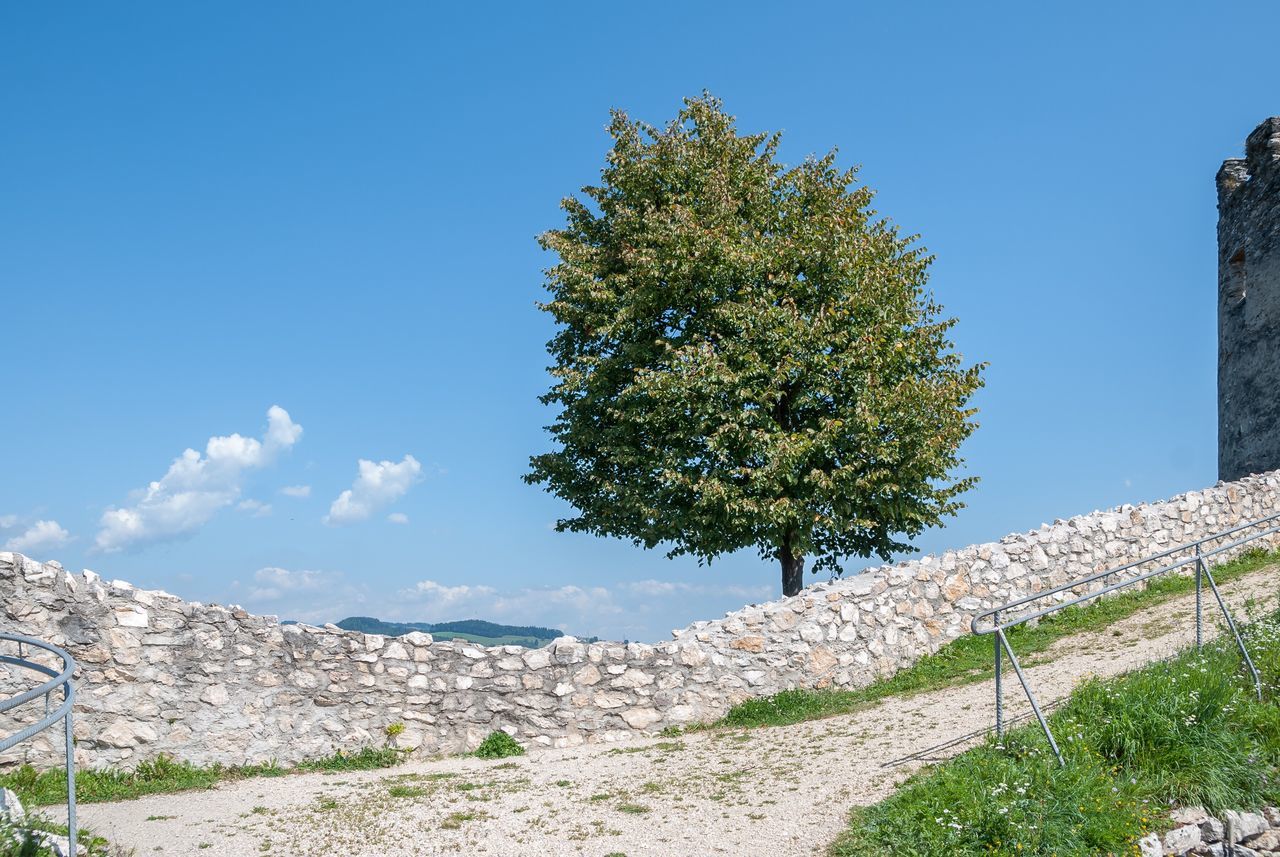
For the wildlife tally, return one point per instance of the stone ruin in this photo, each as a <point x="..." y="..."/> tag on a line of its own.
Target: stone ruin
<point x="206" y="683"/>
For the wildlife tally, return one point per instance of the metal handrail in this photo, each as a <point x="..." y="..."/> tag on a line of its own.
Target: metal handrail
<point x="1191" y="546"/>
<point x="59" y="679"/>
<point x="1199" y="551"/>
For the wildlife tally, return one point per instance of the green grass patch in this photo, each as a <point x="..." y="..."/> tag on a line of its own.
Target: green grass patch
<point x="455" y="820"/>
<point x="498" y="745"/>
<point x="15" y="842"/>
<point x="164" y="775"/>
<point x="406" y="791"/>
<point x="969" y="658"/>
<point x="1185" y="732"/>
<point x="364" y="759"/>
<point x="23" y="841"/>
<point x="482" y="640"/>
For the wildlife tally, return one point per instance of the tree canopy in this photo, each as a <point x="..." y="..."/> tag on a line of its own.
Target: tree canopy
<point x="746" y="355"/>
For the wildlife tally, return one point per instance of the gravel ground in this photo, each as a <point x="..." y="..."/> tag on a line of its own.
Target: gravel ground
<point x="779" y="792"/>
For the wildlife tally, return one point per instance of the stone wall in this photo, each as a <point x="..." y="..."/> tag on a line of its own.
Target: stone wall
<point x="214" y="684"/>
<point x="1249" y="306"/>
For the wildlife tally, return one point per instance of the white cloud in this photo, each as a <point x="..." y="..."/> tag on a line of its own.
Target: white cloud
<point x="639" y="609"/>
<point x="8" y="522"/>
<point x="567" y="606"/>
<point x="585" y="602"/>
<point x="296" y="491"/>
<point x="398" y="518"/>
<point x="440" y="593"/>
<point x="195" y="487"/>
<point x="255" y="507"/>
<point x="659" y="588"/>
<point x="627" y="609"/>
<point x="377" y="485"/>
<point x="271" y="583"/>
<point x="653" y="587"/>
<point x="307" y="596"/>
<point x="40" y="536"/>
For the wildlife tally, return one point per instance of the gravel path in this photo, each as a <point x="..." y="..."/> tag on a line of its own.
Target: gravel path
<point x="779" y="792"/>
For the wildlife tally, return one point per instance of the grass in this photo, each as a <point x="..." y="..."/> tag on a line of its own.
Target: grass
<point x="19" y="843"/>
<point x="969" y="658"/>
<point x="1184" y="732"/>
<point x="481" y="640"/>
<point x="364" y="759"/>
<point x="23" y="841"/>
<point x="455" y="820"/>
<point x="163" y="775"/>
<point x="962" y="661"/>
<point x="498" y="745"/>
<point x="406" y="791"/>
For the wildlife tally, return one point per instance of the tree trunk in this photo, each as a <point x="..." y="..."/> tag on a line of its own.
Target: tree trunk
<point x="792" y="569"/>
<point x="792" y="565"/>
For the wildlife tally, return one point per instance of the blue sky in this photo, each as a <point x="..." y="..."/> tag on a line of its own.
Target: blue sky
<point x="312" y="225"/>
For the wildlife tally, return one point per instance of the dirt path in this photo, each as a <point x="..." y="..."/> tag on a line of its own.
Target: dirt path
<point x="777" y="792"/>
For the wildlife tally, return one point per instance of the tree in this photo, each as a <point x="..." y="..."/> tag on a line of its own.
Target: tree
<point x="746" y="356"/>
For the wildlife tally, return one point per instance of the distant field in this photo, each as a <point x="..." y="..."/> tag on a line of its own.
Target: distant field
<point x="505" y="640"/>
<point x="473" y="630"/>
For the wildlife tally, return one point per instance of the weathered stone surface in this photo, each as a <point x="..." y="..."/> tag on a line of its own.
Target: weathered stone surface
<point x="1249" y="306"/>
<point x="215" y="694"/>
<point x="822" y="661"/>
<point x="1212" y="830"/>
<point x="210" y="684"/>
<point x="1242" y="825"/>
<point x="1182" y="839"/>
<point x="1149" y="846"/>
<point x="11" y="810"/>
<point x="61" y="845"/>
<point x="1188" y="815"/>
<point x="641" y="718"/>
<point x="1268" y="840"/>
<point x="124" y="733"/>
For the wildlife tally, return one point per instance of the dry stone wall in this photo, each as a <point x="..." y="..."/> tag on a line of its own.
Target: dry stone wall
<point x="215" y="684"/>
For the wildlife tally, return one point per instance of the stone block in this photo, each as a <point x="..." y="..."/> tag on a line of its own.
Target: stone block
<point x="1241" y="825"/>
<point x="1182" y="839"/>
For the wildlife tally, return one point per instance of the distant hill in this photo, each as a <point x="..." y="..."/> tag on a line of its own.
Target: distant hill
<point x="475" y="630"/>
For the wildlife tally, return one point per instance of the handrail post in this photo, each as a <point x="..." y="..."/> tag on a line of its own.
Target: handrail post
<point x="995" y="618"/>
<point x="1244" y="652"/>
<point x="59" y="678"/>
<point x="1031" y="697"/>
<point x="1176" y="560"/>
<point x="72" y="832"/>
<point x="1199" y="599"/>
